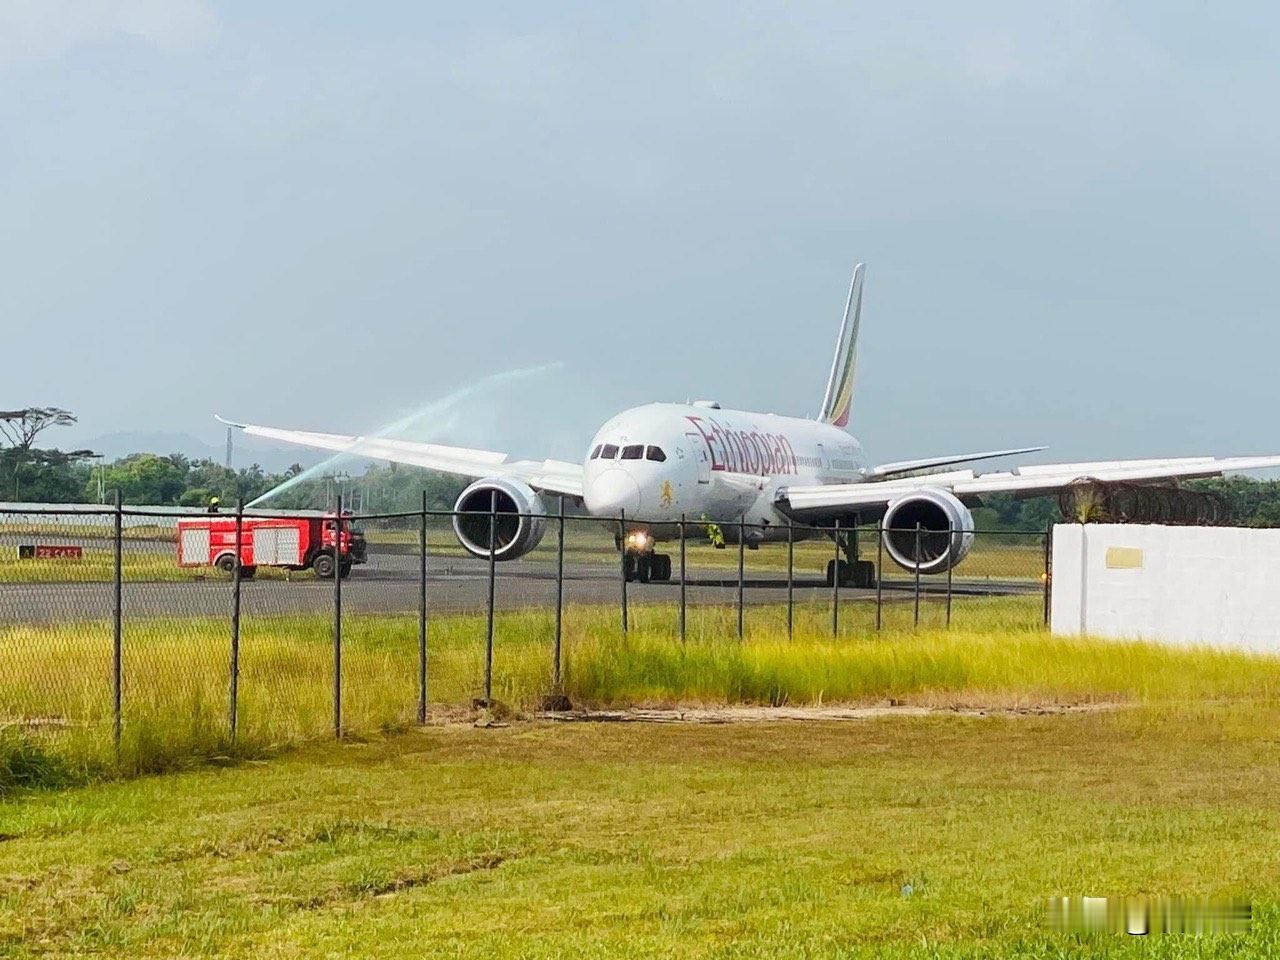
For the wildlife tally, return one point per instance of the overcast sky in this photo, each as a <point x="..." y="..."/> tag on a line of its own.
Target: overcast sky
<point x="325" y="215"/>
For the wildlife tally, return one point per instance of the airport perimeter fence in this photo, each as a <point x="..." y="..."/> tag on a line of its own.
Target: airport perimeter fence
<point x="107" y="639"/>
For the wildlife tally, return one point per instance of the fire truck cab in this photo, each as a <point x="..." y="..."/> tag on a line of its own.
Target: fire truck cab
<point x="294" y="543"/>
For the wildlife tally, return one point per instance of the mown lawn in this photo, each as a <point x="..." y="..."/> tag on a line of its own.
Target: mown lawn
<point x="608" y="840"/>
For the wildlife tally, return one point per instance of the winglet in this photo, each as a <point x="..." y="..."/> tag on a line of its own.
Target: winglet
<point x="230" y="423"/>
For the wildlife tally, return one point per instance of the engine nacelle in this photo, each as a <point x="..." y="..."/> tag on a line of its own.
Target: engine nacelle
<point x="515" y="535"/>
<point x="945" y="536"/>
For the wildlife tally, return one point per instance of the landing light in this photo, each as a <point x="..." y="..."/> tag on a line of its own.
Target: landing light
<point x="638" y="540"/>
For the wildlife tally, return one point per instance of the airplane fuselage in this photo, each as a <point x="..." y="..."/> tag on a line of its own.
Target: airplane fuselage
<point x="662" y="461"/>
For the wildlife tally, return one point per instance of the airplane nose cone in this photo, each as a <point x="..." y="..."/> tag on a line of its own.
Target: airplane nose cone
<point x="612" y="492"/>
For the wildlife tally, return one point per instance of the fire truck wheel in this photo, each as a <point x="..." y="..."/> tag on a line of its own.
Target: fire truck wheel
<point x="247" y="571"/>
<point x="226" y="563"/>
<point x="323" y="565"/>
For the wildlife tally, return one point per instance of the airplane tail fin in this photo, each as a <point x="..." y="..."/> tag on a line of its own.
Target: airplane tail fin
<point x="838" y="399"/>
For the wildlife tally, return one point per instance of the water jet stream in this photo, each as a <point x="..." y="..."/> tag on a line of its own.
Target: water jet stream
<point x="427" y="424"/>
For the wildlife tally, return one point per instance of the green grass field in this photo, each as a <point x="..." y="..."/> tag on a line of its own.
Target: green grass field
<point x="899" y="837"/>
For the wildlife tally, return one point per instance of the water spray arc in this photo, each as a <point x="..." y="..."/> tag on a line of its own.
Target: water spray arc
<point x="427" y="424"/>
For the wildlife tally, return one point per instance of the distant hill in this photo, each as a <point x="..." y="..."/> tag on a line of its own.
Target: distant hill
<point x="273" y="458"/>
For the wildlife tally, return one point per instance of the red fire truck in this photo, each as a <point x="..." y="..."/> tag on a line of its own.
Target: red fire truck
<point x="294" y="543"/>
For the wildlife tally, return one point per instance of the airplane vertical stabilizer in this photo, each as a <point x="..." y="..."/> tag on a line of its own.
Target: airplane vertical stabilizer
<point x="838" y="399"/>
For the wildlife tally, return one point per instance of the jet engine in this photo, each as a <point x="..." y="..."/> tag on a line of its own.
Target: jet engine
<point x="518" y="525"/>
<point x="945" y="530"/>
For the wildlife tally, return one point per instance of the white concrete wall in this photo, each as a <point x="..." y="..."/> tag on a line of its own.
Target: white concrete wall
<point x="1218" y="586"/>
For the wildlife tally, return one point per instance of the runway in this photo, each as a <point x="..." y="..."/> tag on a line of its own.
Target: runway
<point x="389" y="584"/>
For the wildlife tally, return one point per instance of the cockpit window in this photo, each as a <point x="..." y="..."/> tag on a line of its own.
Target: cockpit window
<point x="655" y="454"/>
<point x="608" y="451"/>
<point x="633" y="451"/>
<point x="595" y="453"/>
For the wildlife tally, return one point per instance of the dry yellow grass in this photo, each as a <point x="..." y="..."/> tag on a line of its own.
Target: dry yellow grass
<point x="55" y="681"/>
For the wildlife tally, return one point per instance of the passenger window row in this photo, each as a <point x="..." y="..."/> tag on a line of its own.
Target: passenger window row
<point x="632" y="451"/>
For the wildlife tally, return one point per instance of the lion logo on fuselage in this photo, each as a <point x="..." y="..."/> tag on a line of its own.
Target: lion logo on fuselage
<point x="668" y="495"/>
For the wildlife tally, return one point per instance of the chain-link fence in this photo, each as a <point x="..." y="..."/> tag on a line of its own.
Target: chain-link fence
<point x="124" y="627"/>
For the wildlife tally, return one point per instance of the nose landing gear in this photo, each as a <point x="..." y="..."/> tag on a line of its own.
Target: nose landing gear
<point x="647" y="567"/>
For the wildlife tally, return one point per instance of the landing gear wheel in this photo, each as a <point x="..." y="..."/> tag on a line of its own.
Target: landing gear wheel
<point x="226" y="563"/>
<point x="858" y="573"/>
<point x="839" y="568"/>
<point x="647" y="567"/>
<point x="864" y="574"/>
<point x="323" y="565"/>
<point x="660" y="567"/>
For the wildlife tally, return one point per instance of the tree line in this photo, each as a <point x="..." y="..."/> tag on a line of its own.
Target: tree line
<point x="30" y="472"/>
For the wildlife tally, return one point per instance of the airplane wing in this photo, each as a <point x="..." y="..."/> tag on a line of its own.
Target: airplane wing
<point x="553" y="476"/>
<point x="885" y="470"/>
<point x="828" y="501"/>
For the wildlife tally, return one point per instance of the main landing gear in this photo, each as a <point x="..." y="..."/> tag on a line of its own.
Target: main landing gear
<point x="851" y="571"/>
<point x="646" y="567"/>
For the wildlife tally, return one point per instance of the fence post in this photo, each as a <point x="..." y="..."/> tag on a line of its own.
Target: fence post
<point x="951" y="537"/>
<point x="916" y="557"/>
<point x="488" y="635"/>
<point x="742" y="553"/>
<point x="880" y="574"/>
<point x="791" y="580"/>
<point x="337" y="618"/>
<point x="622" y="526"/>
<point x="422" y="611"/>
<point x="835" y="586"/>
<point x="683" y="614"/>
<point x="1048" y="573"/>
<point x="556" y="674"/>
<point x="117" y="608"/>
<point x="233" y="716"/>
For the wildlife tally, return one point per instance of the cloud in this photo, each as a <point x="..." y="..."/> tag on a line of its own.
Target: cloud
<point x="50" y="29"/>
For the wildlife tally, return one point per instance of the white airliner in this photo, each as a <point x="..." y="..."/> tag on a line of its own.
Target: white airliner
<point x="661" y="462"/>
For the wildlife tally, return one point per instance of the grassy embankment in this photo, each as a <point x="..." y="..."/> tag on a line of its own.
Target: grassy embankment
<point x="899" y="838"/>
<point x="55" y="693"/>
